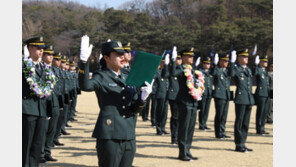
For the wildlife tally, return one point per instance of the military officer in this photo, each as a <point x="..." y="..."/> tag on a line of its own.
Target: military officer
<point x="127" y="58"/>
<point x="33" y="104"/>
<point x="172" y="95"/>
<point x="262" y="93"/>
<point x="187" y="108"/>
<point x="115" y="128"/>
<point x="74" y="77"/>
<point x="207" y="95"/>
<point x="269" y="118"/>
<point x="162" y="80"/>
<point x="222" y="94"/>
<point x="243" y="100"/>
<point x="153" y="104"/>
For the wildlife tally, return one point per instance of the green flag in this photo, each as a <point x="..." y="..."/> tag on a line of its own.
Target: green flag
<point x="143" y="69"/>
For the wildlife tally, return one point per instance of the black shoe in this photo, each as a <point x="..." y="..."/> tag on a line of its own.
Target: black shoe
<point x="192" y="157"/>
<point x="159" y="133"/>
<point x="42" y="160"/>
<point x="220" y="137"/>
<point x="260" y="133"/>
<point x="269" y="121"/>
<point x="226" y="136"/>
<point x="67" y="125"/>
<point x="201" y="128"/>
<point x="153" y="124"/>
<point x="207" y="128"/>
<point x="266" y="132"/>
<point x="73" y="119"/>
<point x="174" y="142"/>
<point x="248" y="149"/>
<point x="49" y="158"/>
<point x="65" y="133"/>
<point x="145" y="120"/>
<point x="185" y="158"/>
<point x="165" y="132"/>
<point x="240" y="149"/>
<point x="58" y="143"/>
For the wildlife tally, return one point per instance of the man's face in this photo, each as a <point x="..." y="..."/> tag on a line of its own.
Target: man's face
<point x="243" y="60"/>
<point x="263" y="64"/>
<point x="67" y="67"/>
<point x="223" y="63"/>
<point x="47" y="58"/>
<point x="72" y="68"/>
<point x="270" y="68"/>
<point x="56" y="62"/>
<point x="35" y="52"/>
<point x="127" y="56"/>
<point x="187" y="59"/>
<point x="63" y="65"/>
<point x="206" y="66"/>
<point x="179" y="62"/>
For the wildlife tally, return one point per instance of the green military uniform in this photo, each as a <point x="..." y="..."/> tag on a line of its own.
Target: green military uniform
<point x="243" y="102"/>
<point x="119" y="103"/>
<point x="269" y="118"/>
<point x="162" y="80"/>
<point x="222" y="96"/>
<point x="153" y="104"/>
<point x="261" y="95"/>
<point x="73" y="93"/>
<point x="187" y="111"/>
<point x="172" y="95"/>
<point x="206" y="96"/>
<point x="33" y="112"/>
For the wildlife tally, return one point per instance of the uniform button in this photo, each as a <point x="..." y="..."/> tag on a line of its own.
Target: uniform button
<point x="123" y="116"/>
<point x="123" y="97"/>
<point x="172" y="90"/>
<point x="123" y="107"/>
<point x="123" y="88"/>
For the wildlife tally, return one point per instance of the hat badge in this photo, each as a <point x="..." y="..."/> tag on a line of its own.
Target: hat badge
<point x="246" y="50"/>
<point x="41" y="38"/>
<point x="227" y="55"/>
<point x="119" y="44"/>
<point x="50" y="47"/>
<point x="191" y="49"/>
<point x="109" y="122"/>
<point x="128" y="44"/>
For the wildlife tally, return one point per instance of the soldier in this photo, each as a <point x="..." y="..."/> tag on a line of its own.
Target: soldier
<point x="244" y="99"/>
<point x="262" y="93"/>
<point x="127" y="57"/>
<point x="115" y="128"/>
<point x="153" y="104"/>
<point x="34" y="102"/>
<point x="74" y="76"/>
<point x="187" y="103"/>
<point x="172" y="95"/>
<point x="222" y="94"/>
<point x="207" y="95"/>
<point x="269" y="118"/>
<point x="161" y="79"/>
<point x="53" y="108"/>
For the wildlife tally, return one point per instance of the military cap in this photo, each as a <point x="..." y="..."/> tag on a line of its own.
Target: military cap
<point x="112" y="46"/>
<point x="225" y="57"/>
<point x="244" y="53"/>
<point x="72" y="63"/>
<point x="127" y="47"/>
<point x="48" y="49"/>
<point x="206" y="60"/>
<point x="264" y="58"/>
<point x="57" y="56"/>
<point x="188" y="51"/>
<point x="67" y="61"/>
<point x="36" y="41"/>
<point x="64" y="59"/>
<point x="179" y="56"/>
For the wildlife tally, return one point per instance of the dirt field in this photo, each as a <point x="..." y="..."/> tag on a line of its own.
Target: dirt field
<point x="156" y="151"/>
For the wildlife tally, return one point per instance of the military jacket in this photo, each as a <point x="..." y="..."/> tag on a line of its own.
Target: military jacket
<point x="31" y="104"/>
<point x="263" y="82"/>
<point x="173" y="82"/>
<point x="222" y="78"/>
<point x="183" y="96"/>
<point x="162" y="81"/>
<point x="208" y="84"/>
<point x="118" y="103"/>
<point x="243" y="80"/>
<point x="65" y="88"/>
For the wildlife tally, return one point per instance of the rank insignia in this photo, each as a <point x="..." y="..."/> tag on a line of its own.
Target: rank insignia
<point x="109" y="122"/>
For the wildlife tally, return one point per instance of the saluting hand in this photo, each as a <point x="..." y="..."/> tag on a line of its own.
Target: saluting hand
<point x="174" y="53"/>
<point x="257" y="60"/>
<point x="197" y="61"/>
<point x="85" y="48"/>
<point x="167" y="59"/>
<point x="233" y="56"/>
<point x="26" y="52"/>
<point x="216" y="59"/>
<point x="146" y="90"/>
<point x="100" y="57"/>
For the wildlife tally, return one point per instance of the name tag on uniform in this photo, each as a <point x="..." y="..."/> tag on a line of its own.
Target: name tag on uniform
<point x="112" y="84"/>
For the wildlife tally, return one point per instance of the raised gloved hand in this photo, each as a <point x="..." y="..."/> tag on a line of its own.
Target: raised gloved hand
<point x="174" y="53"/>
<point x="100" y="57"/>
<point x="167" y="59"/>
<point x="26" y="52"/>
<point x="197" y="61"/>
<point x="233" y="56"/>
<point x="109" y="40"/>
<point x="216" y="59"/>
<point x="85" y="48"/>
<point x="257" y="60"/>
<point x="146" y="90"/>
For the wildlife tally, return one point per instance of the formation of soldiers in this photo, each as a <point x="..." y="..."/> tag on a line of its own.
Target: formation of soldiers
<point x="49" y="98"/>
<point x="182" y="81"/>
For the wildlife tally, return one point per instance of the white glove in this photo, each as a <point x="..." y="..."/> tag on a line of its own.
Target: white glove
<point x="26" y="52"/>
<point x="233" y="56"/>
<point x="109" y="40"/>
<point x="216" y="59"/>
<point x="85" y="48"/>
<point x="100" y="57"/>
<point x="167" y="59"/>
<point x="197" y="61"/>
<point x="174" y="53"/>
<point x="146" y="90"/>
<point x="257" y="60"/>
